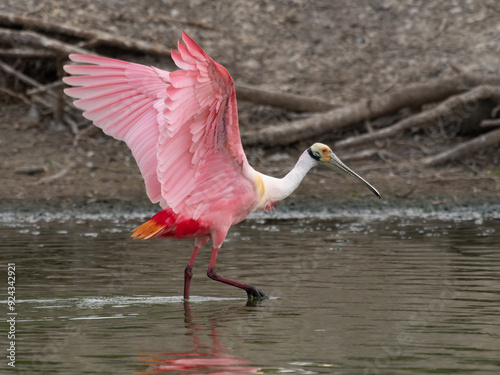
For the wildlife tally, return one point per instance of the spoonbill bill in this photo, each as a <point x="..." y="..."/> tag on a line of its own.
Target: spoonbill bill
<point x="182" y="129"/>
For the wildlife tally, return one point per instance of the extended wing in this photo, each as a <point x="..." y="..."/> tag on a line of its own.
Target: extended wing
<point x="119" y="97"/>
<point x="182" y="127"/>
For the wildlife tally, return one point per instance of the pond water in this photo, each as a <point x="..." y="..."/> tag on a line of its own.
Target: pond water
<point x="405" y="292"/>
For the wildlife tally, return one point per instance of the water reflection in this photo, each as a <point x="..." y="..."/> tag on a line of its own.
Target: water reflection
<point x="203" y="357"/>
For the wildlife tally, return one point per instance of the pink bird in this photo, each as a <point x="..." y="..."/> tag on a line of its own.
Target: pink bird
<point x="182" y="129"/>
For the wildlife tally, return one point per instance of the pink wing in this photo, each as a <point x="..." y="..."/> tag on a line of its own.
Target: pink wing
<point x="120" y="97"/>
<point x="182" y="127"/>
<point x="201" y="163"/>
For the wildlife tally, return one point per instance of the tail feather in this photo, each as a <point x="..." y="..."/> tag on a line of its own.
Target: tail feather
<point x="150" y="229"/>
<point x="166" y="223"/>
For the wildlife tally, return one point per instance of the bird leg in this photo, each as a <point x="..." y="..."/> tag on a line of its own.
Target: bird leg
<point x="252" y="292"/>
<point x="188" y="272"/>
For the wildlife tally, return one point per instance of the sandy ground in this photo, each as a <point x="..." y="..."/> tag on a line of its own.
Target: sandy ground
<point x="327" y="48"/>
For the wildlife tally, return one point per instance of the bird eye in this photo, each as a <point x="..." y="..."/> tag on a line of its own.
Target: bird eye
<point x="324" y="151"/>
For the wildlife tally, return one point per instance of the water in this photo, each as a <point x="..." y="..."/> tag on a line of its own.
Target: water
<point x="368" y="294"/>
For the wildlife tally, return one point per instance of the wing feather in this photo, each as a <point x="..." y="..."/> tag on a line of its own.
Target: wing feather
<point x="182" y="128"/>
<point x="120" y="97"/>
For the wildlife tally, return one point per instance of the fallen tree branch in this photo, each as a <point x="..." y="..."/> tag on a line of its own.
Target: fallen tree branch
<point x="490" y="123"/>
<point x="26" y="53"/>
<point x="446" y="107"/>
<point x="293" y="102"/>
<point x="45" y="88"/>
<point x="411" y="96"/>
<point x="488" y="139"/>
<point x="39" y="88"/>
<point x="16" y="38"/>
<point x="55" y="100"/>
<point x="15" y="95"/>
<point x="21" y="76"/>
<point x="97" y="37"/>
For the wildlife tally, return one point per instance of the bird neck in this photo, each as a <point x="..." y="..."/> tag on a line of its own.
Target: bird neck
<point x="293" y="179"/>
<point x="277" y="189"/>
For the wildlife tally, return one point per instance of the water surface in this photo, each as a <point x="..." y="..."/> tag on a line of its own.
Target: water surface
<point x="360" y="294"/>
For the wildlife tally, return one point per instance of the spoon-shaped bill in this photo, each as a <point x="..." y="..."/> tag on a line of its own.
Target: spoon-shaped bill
<point x="336" y="162"/>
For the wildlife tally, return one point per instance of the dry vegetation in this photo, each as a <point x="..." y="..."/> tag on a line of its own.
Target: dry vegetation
<point x="406" y="92"/>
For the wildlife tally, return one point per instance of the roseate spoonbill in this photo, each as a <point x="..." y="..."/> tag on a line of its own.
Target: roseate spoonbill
<point x="182" y="129"/>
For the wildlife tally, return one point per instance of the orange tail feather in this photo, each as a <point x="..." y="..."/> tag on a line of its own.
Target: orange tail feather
<point x="150" y="229"/>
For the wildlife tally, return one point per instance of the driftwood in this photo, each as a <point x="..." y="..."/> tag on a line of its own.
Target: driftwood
<point x="445" y="108"/>
<point x="467" y="148"/>
<point x="15" y="95"/>
<point x="293" y="102"/>
<point x="411" y="96"/>
<point x="57" y="103"/>
<point x="26" y="53"/>
<point x="21" y="76"/>
<point x="490" y="123"/>
<point x="43" y="88"/>
<point x="94" y="37"/>
<point x="30" y="38"/>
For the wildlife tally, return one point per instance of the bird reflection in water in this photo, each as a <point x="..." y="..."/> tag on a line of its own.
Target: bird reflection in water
<point x="206" y="357"/>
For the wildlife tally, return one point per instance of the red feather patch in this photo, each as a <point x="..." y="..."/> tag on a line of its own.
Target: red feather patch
<point x="167" y="223"/>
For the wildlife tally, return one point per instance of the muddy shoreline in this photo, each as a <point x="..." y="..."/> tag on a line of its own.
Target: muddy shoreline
<point x="476" y="209"/>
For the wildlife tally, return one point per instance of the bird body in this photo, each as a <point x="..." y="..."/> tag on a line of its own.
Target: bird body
<point x="182" y="129"/>
<point x="267" y="192"/>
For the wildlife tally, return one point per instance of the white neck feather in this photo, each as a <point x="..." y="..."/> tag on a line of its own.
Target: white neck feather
<point x="277" y="189"/>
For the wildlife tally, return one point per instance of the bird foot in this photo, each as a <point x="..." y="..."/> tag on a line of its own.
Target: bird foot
<point x="255" y="294"/>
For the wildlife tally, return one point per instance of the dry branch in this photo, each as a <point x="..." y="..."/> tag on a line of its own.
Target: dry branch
<point x="490" y="123"/>
<point x="26" y="53"/>
<point x="293" y="102"/>
<point x="44" y="88"/>
<point x="411" y="96"/>
<point x="442" y="109"/>
<point x="458" y="152"/>
<point x="30" y="38"/>
<point x="15" y="95"/>
<point x="56" y="101"/>
<point x="97" y="37"/>
<point x="21" y="76"/>
<point x="39" y="88"/>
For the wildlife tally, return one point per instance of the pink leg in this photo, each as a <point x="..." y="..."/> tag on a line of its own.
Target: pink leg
<point x="252" y="292"/>
<point x="188" y="272"/>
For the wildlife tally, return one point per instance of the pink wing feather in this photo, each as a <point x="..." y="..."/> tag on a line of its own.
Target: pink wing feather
<point x="182" y="127"/>
<point x="119" y="97"/>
